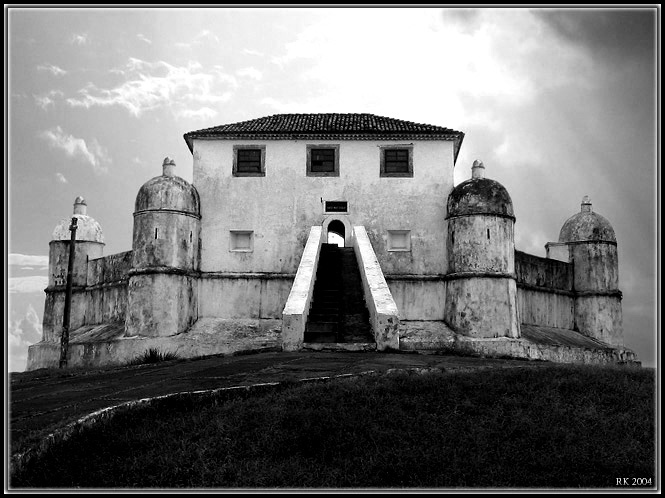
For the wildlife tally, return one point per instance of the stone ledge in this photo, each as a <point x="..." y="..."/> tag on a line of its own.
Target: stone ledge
<point x="208" y="336"/>
<point x="438" y="337"/>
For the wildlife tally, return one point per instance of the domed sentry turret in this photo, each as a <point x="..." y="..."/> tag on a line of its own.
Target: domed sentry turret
<point x="162" y="292"/>
<point x="481" y="297"/>
<point x="89" y="245"/>
<point x="166" y="222"/>
<point x="87" y="228"/>
<point x="593" y="251"/>
<point x="480" y="196"/>
<point x="587" y="226"/>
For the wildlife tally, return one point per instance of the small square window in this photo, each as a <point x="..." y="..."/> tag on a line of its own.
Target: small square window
<point x="249" y="160"/>
<point x="397" y="161"/>
<point x="399" y="240"/>
<point x="242" y="241"/>
<point x="323" y="160"/>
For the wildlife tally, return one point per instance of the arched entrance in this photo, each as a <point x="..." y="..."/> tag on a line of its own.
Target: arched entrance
<point x="336" y="233"/>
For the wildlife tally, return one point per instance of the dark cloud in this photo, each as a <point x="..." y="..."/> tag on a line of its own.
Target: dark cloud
<point x="614" y="35"/>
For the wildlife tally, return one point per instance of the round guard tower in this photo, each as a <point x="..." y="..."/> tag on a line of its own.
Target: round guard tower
<point x="162" y="293"/>
<point x="89" y="245"/>
<point x="481" y="295"/>
<point x="592" y="248"/>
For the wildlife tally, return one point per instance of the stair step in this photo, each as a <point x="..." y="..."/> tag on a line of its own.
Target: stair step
<point x="326" y="310"/>
<point x="320" y="338"/>
<point x="322" y="327"/>
<point x="318" y="318"/>
<point x="326" y="303"/>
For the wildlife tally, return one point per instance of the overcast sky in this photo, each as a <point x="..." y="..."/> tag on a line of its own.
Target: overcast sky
<point x="557" y="103"/>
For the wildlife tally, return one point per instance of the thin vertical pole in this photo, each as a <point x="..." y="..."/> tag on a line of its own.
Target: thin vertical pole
<point x="64" y="340"/>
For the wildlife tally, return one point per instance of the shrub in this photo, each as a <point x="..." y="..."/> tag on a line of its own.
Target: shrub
<point x="154" y="355"/>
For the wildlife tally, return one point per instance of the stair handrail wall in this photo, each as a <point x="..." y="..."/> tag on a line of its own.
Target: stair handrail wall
<point x="296" y="310"/>
<point x="383" y="313"/>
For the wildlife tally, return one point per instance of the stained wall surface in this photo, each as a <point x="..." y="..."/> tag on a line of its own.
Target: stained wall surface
<point x="281" y="206"/>
<point x="545" y="291"/>
<point x="106" y="291"/>
<point x="481" y="244"/>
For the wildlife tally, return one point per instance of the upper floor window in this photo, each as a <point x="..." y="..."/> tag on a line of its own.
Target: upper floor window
<point x="397" y="161"/>
<point x="323" y="160"/>
<point x="249" y="160"/>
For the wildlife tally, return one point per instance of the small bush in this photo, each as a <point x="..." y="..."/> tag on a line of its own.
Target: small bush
<point x="153" y="355"/>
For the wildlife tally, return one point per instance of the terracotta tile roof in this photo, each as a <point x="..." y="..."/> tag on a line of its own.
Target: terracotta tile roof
<point x="326" y="127"/>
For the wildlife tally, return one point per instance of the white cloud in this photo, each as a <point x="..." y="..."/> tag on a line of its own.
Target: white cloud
<point x="24" y="285"/>
<point x="202" y="113"/>
<point x="93" y="153"/>
<point x="144" y="38"/>
<point x="203" y="37"/>
<point x="207" y="35"/>
<point x="250" y="51"/>
<point x="27" y="259"/>
<point x="54" y="70"/>
<point x="250" y="72"/>
<point x="61" y="178"/>
<point x="154" y="85"/>
<point x="47" y="99"/>
<point x="277" y="105"/>
<point x="79" y="39"/>
<point x="416" y="54"/>
<point x="22" y="333"/>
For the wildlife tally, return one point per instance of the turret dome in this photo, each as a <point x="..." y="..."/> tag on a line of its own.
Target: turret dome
<point x="479" y="195"/>
<point x="87" y="228"/>
<point x="587" y="226"/>
<point x="168" y="192"/>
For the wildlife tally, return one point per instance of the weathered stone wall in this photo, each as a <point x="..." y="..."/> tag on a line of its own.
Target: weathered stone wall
<point x="600" y="317"/>
<point x="481" y="244"/>
<point x="596" y="266"/>
<point x="54" y="303"/>
<point x="549" y="309"/>
<point x="99" y="291"/>
<point x="54" y="310"/>
<point x="481" y="295"/>
<point x="281" y="206"/>
<point x="165" y="239"/>
<point x="540" y="272"/>
<point x="160" y="304"/>
<point x="106" y="292"/>
<point x="59" y="261"/>
<point x="248" y="295"/>
<point x="418" y="297"/>
<point x="545" y="291"/>
<point x="482" y="307"/>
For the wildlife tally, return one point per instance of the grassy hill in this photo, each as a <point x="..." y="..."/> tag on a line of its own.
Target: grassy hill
<point x="560" y="426"/>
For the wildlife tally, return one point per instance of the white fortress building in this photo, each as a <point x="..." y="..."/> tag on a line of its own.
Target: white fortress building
<point x="331" y="232"/>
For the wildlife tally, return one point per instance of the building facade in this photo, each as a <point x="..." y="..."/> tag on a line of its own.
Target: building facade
<point x="236" y="260"/>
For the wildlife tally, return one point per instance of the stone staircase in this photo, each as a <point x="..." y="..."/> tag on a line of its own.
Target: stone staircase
<point x="338" y="313"/>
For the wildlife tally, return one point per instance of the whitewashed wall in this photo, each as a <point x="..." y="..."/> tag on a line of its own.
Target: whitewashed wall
<point x="282" y="206"/>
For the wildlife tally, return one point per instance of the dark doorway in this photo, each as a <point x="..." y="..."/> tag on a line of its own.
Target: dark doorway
<point x="336" y="233"/>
